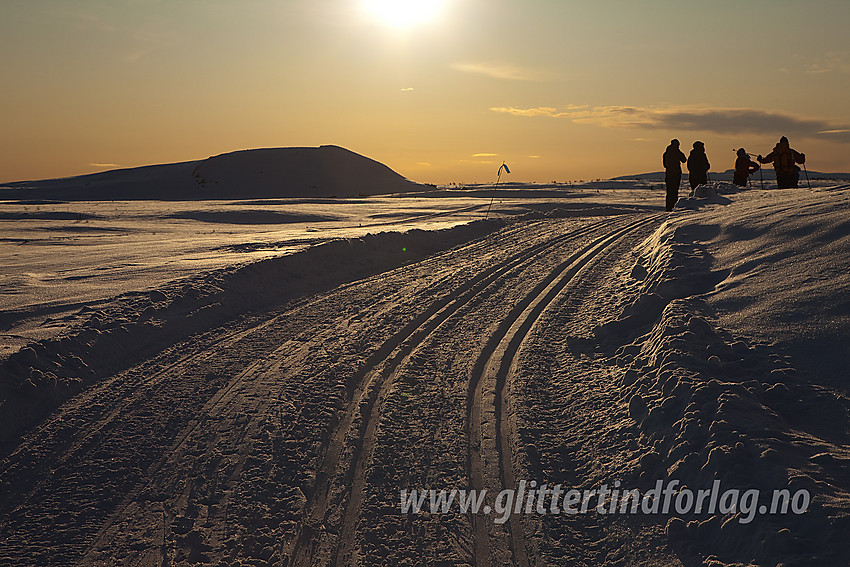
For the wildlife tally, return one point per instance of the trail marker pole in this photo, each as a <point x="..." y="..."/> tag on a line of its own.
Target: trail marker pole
<point x="493" y="195"/>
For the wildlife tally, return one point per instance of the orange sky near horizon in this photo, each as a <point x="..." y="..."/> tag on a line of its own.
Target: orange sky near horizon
<point x="439" y="90"/>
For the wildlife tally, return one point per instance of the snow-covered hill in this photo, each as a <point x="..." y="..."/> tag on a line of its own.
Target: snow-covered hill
<point x="326" y="171"/>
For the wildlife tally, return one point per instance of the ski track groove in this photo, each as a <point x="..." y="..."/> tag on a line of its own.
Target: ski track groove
<point x="374" y="381"/>
<point x="494" y="365"/>
<point x="88" y="438"/>
<point x="370" y="376"/>
<point x="212" y="410"/>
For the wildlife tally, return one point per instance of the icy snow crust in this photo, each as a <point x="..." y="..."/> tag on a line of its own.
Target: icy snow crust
<point x="271" y="411"/>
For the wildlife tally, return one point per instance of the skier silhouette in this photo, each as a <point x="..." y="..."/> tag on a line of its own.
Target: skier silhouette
<point x="673" y="159"/>
<point x="744" y="166"/>
<point x="785" y="162"/>
<point x="698" y="165"/>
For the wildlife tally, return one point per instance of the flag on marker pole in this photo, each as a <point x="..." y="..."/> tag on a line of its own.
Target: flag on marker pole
<point x="505" y="167"/>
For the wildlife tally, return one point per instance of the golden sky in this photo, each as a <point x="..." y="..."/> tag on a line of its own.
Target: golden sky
<point x="439" y="90"/>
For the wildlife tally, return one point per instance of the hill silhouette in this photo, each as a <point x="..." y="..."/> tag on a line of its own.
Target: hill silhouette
<point x="326" y="171"/>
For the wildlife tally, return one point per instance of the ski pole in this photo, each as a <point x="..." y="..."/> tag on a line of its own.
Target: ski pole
<point x="807" y="177"/>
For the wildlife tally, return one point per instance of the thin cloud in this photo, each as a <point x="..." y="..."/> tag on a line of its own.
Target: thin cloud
<point x="839" y="135"/>
<point x="112" y="165"/>
<point x="500" y="71"/>
<point x="484" y="155"/>
<point x="717" y="120"/>
<point x="738" y="121"/>
<point x="549" y="111"/>
<point x="407" y="89"/>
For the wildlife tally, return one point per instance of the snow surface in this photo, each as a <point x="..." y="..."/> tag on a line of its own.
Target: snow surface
<point x="710" y="343"/>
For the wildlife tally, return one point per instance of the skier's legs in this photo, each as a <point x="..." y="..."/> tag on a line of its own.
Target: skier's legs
<point x="673" y="180"/>
<point x="786" y="180"/>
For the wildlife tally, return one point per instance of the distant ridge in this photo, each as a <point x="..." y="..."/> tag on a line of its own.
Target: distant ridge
<point x="768" y="174"/>
<point x="326" y="171"/>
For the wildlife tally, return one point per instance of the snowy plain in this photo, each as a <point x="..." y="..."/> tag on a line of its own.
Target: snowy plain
<point x="253" y="382"/>
<point x="61" y="256"/>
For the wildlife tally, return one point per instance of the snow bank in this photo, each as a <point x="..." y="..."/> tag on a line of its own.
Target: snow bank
<point x="715" y="406"/>
<point x="672" y="264"/>
<point x="789" y="282"/>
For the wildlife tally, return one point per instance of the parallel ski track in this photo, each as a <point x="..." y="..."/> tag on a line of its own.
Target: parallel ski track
<point x="425" y="216"/>
<point x="494" y="364"/>
<point x="219" y="404"/>
<point x="132" y="394"/>
<point x="369" y="385"/>
<point x="88" y="436"/>
<point x="372" y="384"/>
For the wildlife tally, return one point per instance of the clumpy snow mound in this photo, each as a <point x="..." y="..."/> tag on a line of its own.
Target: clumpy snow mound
<point x="708" y="194"/>
<point x="326" y="171"/>
<point x="735" y="355"/>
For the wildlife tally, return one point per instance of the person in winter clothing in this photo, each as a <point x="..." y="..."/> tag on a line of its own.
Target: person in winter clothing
<point x="673" y="159"/>
<point x="698" y="165"/>
<point x="744" y="166"/>
<point x="785" y="162"/>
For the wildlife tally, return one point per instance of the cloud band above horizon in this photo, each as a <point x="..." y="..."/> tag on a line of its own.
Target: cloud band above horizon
<point x="717" y="120"/>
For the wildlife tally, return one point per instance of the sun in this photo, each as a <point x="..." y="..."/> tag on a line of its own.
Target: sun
<point x="403" y="13"/>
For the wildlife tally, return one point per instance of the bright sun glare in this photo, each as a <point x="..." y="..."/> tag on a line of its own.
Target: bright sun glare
<point x="403" y="13"/>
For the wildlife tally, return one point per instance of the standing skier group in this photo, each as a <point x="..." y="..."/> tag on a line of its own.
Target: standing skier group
<point x="783" y="157"/>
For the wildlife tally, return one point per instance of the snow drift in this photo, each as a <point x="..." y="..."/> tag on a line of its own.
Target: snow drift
<point x="752" y="405"/>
